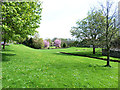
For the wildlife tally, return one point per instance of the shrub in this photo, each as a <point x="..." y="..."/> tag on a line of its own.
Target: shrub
<point x="64" y="45"/>
<point x="26" y="42"/>
<point x="38" y="44"/>
<point x="30" y="42"/>
<point x="34" y="43"/>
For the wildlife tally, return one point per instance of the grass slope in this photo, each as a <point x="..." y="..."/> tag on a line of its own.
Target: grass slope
<point x="24" y="67"/>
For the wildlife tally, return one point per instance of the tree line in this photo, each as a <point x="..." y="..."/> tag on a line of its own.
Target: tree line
<point x="38" y="43"/>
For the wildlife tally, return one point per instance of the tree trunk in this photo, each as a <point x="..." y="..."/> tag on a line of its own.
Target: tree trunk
<point x="108" y="57"/>
<point x="93" y="49"/>
<point x="4" y="43"/>
<point x="107" y="39"/>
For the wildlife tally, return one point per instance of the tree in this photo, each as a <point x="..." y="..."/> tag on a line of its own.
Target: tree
<point x="20" y="18"/>
<point x="57" y="43"/>
<point x="75" y="43"/>
<point x="111" y="27"/>
<point x="46" y="43"/>
<point x="64" y="42"/>
<point x="116" y="43"/>
<point x="36" y="36"/>
<point x="49" y="40"/>
<point x="90" y="28"/>
<point x="54" y="39"/>
<point x="19" y="39"/>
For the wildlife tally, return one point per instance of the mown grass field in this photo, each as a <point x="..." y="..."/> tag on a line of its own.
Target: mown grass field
<point x="24" y="67"/>
<point x="89" y="52"/>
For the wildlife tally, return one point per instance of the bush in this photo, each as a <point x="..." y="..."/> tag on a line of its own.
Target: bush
<point x="26" y="42"/>
<point x="30" y="42"/>
<point x="38" y="44"/>
<point x="34" y="43"/>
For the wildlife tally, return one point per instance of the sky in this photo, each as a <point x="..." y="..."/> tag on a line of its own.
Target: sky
<point x="58" y="16"/>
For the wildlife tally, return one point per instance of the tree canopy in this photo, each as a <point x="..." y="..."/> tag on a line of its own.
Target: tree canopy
<point x="20" y="19"/>
<point x="90" y="28"/>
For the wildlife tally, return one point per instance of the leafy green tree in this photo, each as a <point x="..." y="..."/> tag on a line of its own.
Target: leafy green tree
<point x="20" y="18"/>
<point x="75" y="43"/>
<point x="90" y="28"/>
<point x="18" y="39"/>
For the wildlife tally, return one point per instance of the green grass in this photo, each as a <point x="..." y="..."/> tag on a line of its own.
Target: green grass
<point x="24" y="67"/>
<point x="52" y="47"/>
<point x="89" y="52"/>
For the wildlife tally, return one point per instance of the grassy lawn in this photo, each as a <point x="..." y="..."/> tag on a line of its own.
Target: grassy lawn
<point x="89" y="52"/>
<point x="24" y="67"/>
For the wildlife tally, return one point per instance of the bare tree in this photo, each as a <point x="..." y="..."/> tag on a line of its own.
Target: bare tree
<point x="111" y="27"/>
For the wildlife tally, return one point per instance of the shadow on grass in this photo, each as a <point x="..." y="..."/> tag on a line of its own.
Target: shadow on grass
<point x="86" y="55"/>
<point x="6" y="50"/>
<point x="6" y="57"/>
<point x="4" y="54"/>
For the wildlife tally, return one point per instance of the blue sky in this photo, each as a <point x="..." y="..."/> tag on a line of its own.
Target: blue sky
<point x="58" y="16"/>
